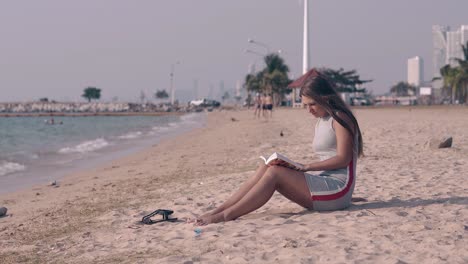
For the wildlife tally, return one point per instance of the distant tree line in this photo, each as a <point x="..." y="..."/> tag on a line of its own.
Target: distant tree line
<point x="274" y="80"/>
<point x="92" y="93"/>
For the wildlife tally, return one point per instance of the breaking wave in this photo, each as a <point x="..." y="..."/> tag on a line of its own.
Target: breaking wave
<point x="86" y="146"/>
<point x="10" y="167"/>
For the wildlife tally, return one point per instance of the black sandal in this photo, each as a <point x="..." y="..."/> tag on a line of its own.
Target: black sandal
<point x="165" y="214"/>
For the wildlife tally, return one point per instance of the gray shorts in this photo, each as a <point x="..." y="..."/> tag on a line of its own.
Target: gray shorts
<point x="330" y="191"/>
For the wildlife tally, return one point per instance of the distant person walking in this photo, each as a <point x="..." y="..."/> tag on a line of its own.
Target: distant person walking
<point x="263" y="105"/>
<point x="268" y="105"/>
<point x="258" y="105"/>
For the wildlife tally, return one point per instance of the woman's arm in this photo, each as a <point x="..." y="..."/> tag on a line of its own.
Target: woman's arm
<point x="344" y="150"/>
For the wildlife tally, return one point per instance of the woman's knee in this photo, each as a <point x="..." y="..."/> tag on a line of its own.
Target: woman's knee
<point x="276" y="169"/>
<point x="280" y="175"/>
<point x="262" y="166"/>
<point x="273" y="172"/>
<point x="261" y="169"/>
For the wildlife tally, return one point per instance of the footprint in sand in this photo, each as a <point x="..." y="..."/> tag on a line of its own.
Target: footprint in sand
<point x="401" y="213"/>
<point x="361" y="214"/>
<point x="289" y="221"/>
<point x="311" y="243"/>
<point x="291" y="244"/>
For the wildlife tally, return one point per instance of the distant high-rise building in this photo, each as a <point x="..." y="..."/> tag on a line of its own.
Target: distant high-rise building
<point x="415" y="71"/>
<point x="439" y="52"/>
<point x="453" y="47"/>
<point x="455" y="40"/>
<point x="464" y="34"/>
<point x="447" y="47"/>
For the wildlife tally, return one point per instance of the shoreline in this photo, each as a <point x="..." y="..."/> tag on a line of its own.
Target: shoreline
<point x="414" y="210"/>
<point x="117" y="147"/>
<point x="92" y="114"/>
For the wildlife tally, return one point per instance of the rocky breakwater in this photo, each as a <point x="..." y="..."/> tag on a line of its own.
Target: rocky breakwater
<point x="77" y="108"/>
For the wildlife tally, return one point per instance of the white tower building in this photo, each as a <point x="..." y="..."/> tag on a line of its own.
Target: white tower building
<point x="415" y="71"/>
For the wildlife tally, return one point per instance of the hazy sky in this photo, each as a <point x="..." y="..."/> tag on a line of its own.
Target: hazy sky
<point x="56" y="48"/>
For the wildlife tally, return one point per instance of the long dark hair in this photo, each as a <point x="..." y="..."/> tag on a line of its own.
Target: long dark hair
<point x="316" y="85"/>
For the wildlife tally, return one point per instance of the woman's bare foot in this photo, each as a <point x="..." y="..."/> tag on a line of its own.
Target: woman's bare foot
<point x="196" y="220"/>
<point x="190" y="220"/>
<point x="213" y="212"/>
<point x="205" y="215"/>
<point x="210" y="219"/>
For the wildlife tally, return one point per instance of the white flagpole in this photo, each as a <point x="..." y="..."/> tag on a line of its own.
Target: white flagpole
<point x="305" y="51"/>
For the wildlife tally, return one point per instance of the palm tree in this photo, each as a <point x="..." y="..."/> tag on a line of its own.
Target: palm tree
<point x="455" y="79"/>
<point x="464" y="61"/>
<point x="461" y="82"/>
<point x="447" y="74"/>
<point x="252" y="83"/>
<point x="274" y="62"/>
<point x="461" y="78"/>
<point x="345" y="81"/>
<point x="275" y="78"/>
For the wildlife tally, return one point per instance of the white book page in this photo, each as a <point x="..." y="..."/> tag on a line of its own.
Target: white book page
<point x="278" y="156"/>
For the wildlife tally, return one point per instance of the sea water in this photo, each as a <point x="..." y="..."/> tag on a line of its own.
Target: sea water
<point x="33" y="151"/>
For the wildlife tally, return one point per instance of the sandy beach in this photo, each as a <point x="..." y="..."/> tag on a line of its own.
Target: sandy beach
<point x="415" y="207"/>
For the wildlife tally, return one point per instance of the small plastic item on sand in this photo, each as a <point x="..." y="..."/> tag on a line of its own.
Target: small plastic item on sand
<point x="198" y="231"/>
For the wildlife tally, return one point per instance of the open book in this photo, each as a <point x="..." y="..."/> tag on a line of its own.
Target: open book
<point x="285" y="162"/>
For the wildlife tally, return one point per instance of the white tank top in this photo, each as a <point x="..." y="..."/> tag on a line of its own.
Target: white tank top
<point x="324" y="145"/>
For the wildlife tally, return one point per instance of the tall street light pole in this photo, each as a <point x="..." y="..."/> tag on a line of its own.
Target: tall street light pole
<point x="305" y="53"/>
<point x="305" y="50"/>
<point x="172" y="81"/>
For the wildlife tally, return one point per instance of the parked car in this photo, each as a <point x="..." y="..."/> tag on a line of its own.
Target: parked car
<point x="205" y="103"/>
<point x="360" y="101"/>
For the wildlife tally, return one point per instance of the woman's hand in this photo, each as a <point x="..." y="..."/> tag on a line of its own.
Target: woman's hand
<point x="285" y="164"/>
<point x="304" y="168"/>
<point x="276" y="162"/>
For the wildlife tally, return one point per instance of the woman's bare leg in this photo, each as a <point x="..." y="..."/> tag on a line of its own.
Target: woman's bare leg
<point x="244" y="189"/>
<point x="290" y="183"/>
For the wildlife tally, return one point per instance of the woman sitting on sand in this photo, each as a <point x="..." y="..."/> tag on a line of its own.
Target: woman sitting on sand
<point x="324" y="185"/>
